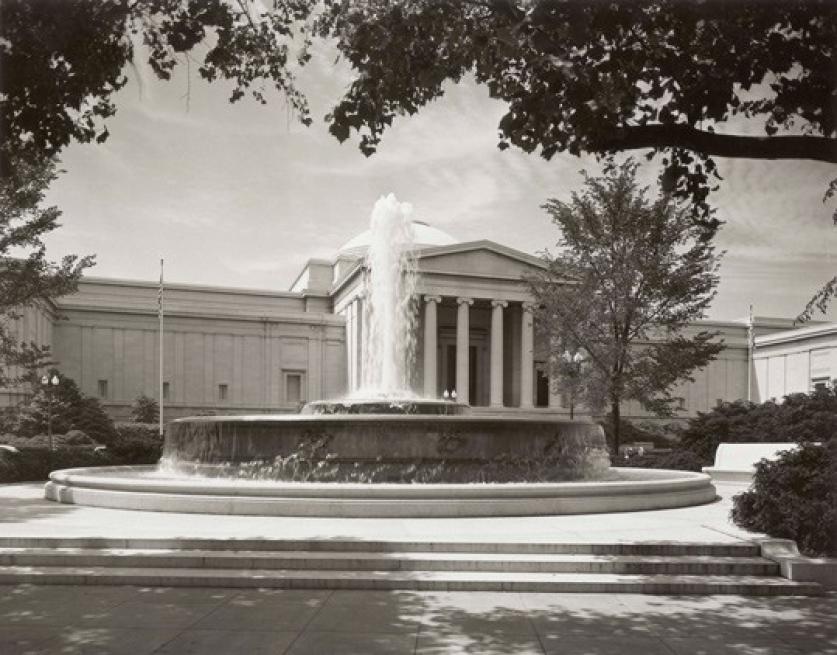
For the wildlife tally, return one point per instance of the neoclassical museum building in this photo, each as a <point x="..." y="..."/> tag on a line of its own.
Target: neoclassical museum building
<point x="251" y="351"/>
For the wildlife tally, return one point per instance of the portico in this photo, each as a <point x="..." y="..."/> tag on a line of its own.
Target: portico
<point x="475" y="333"/>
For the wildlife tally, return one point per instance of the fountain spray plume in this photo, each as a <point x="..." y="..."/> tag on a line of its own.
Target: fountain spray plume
<point x="390" y="316"/>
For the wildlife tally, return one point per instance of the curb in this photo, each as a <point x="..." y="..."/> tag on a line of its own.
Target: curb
<point x="797" y="567"/>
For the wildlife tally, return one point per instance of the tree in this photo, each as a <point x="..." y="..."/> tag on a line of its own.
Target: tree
<point x="600" y="77"/>
<point x="145" y="410"/>
<point x="63" y="60"/>
<point x="68" y="409"/>
<point x="640" y="272"/>
<point x="26" y="276"/>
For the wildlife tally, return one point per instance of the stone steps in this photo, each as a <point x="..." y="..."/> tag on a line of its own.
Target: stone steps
<point x="419" y="580"/>
<point x="651" y="548"/>
<point x="391" y="561"/>
<point x="647" y="567"/>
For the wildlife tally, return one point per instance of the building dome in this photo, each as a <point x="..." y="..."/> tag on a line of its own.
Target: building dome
<point x="425" y="235"/>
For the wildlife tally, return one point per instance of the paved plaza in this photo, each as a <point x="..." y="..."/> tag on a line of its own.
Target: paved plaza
<point x="185" y="621"/>
<point x="69" y="620"/>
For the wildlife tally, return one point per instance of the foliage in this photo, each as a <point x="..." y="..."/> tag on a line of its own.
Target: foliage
<point x="800" y="418"/>
<point x="795" y="497"/>
<point x="577" y="76"/>
<point x="596" y="77"/>
<point x="35" y="464"/>
<point x="143" y="431"/>
<point x="145" y="410"/>
<point x="678" y="460"/>
<point x="68" y="409"/>
<point x="631" y="277"/>
<point x="662" y="435"/>
<point x="63" y="60"/>
<point x="27" y="277"/>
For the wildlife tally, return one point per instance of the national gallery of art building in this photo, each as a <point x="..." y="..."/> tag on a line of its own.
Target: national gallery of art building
<point x="251" y="351"/>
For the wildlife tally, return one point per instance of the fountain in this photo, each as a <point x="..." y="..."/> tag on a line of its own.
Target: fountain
<point x="383" y="451"/>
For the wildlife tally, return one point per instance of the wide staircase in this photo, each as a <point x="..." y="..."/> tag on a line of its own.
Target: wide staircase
<point x="645" y="567"/>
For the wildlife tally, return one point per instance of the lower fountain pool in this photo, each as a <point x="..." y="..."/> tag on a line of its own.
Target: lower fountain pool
<point x="354" y="464"/>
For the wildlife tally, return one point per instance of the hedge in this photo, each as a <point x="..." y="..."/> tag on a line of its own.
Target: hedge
<point x="794" y="497"/>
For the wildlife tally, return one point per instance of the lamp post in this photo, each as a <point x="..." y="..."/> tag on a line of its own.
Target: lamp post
<point x="49" y="384"/>
<point x="573" y="362"/>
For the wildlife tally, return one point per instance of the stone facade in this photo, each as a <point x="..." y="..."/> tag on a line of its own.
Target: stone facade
<point x="252" y="351"/>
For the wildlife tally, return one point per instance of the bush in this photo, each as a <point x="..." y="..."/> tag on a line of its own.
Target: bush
<point x="800" y="418"/>
<point x="662" y="435"/>
<point x="66" y="408"/>
<point x="137" y="443"/>
<point x="795" y="497"/>
<point x="35" y="464"/>
<point x="145" y="410"/>
<point x="679" y="460"/>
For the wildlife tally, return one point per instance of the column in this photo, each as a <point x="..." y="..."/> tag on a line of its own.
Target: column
<point x="430" y="347"/>
<point x="527" y="356"/>
<point x="463" y="343"/>
<point x="496" y="398"/>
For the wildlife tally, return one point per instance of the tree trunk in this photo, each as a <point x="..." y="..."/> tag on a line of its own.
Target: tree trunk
<point x="614" y="412"/>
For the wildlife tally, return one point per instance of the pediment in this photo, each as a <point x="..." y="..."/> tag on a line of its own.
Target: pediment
<point x="483" y="259"/>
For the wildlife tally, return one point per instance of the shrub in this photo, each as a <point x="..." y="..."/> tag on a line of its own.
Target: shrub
<point x="679" y="460"/>
<point x="67" y="408"/>
<point x="800" y="417"/>
<point x="35" y="463"/>
<point x="137" y="443"/>
<point x="795" y="497"/>
<point x="145" y="410"/>
<point x="662" y="435"/>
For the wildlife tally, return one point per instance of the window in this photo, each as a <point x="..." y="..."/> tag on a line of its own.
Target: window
<point x="294" y="387"/>
<point x="166" y="391"/>
<point x="223" y="391"/>
<point x="103" y="388"/>
<point x="820" y="384"/>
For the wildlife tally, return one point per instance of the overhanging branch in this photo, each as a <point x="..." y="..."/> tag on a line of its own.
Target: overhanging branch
<point x="818" y="148"/>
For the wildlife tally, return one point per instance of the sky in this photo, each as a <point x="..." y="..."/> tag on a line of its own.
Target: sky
<point x="242" y="195"/>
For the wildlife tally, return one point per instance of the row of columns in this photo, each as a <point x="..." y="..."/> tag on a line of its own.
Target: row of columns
<point x="463" y="350"/>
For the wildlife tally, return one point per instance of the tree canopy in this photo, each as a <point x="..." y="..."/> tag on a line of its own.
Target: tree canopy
<point x="26" y="275"/>
<point x="641" y="271"/>
<point x="578" y="76"/>
<point x="63" y="60"/>
<point x="668" y="76"/>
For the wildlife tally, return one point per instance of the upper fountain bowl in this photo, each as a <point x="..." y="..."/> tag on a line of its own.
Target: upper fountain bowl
<point x="386" y="405"/>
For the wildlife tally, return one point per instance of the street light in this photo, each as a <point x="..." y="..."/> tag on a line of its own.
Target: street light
<point x="574" y="362"/>
<point x="48" y="385"/>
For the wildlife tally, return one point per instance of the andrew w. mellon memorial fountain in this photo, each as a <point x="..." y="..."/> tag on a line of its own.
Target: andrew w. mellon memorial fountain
<point x="383" y="451"/>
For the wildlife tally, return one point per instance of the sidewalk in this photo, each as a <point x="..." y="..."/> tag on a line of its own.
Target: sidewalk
<point x="25" y="513"/>
<point x="74" y="620"/>
<point x="140" y="621"/>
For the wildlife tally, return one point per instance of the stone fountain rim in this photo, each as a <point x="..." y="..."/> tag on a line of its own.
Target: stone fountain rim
<point x="106" y="477"/>
<point x="355" y="500"/>
<point x="378" y="418"/>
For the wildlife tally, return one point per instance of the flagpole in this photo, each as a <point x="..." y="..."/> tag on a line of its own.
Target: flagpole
<point x="751" y="336"/>
<point x="160" y="315"/>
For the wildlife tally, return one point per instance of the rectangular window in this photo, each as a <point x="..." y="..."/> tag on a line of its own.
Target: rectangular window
<point x="294" y="387"/>
<point x="103" y="388"/>
<point x="165" y="391"/>
<point x="820" y="384"/>
<point x="223" y="391"/>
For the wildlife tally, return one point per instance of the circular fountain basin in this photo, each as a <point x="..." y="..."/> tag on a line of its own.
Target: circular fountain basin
<point x="151" y="489"/>
<point x="386" y="448"/>
<point x="372" y="465"/>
